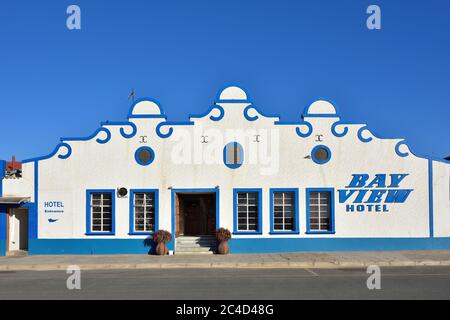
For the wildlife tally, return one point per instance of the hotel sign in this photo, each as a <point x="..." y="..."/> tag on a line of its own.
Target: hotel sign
<point x="373" y="194"/>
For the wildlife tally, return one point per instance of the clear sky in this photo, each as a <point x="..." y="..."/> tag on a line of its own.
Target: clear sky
<point x="56" y="83"/>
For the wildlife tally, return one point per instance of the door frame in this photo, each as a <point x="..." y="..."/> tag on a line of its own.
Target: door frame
<point x="9" y="212"/>
<point x="7" y="230"/>
<point x="193" y="191"/>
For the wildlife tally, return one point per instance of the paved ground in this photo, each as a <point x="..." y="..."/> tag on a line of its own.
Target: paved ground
<point x="224" y="284"/>
<point x="287" y="260"/>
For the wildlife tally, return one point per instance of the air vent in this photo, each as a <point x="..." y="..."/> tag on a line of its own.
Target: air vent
<point x="122" y="192"/>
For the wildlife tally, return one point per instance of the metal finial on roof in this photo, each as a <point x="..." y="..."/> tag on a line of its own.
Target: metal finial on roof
<point x="132" y="95"/>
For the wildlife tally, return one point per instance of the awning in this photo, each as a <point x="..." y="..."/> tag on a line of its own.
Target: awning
<point x="14" y="200"/>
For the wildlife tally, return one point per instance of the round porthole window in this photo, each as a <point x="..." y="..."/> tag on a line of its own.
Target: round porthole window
<point x="321" y="154"/>
<point x="144" y="156"/>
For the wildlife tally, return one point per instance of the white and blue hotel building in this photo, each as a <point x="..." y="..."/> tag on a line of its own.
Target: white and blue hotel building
<point x="317" y="184"/>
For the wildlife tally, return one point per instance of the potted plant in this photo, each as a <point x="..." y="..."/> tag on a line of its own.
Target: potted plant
<point x="161" y="237"/>
<point x="223" y="236"/>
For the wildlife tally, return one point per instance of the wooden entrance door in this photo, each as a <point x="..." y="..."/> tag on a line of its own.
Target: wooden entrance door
<point x="197" y="214"/>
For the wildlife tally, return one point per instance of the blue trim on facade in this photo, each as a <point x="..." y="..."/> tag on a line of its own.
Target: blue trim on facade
<point x="280" y="245"/>
<point x="212" y="118"/>
<point x="33" y="207"/>
<point x="3" y="211"/>
<point x="405" y="154"/>
<point x="2" y="174"/>
<point x="55" y="151"/>
<point x="131" y="211"/>
<point x="89" y="232"/>
<point x="317" y="161"/>
<point x="92" y="136"/>
<point x="297" y="130"/>
<point x="431" y="197"/>
<point x="237" y="246"/>
<point x="296" y="213"/>
<point x="361" y="138"/>
<point x="321" y="115"/>
<point x="305" y="135"/>
<point x="241" y="152"/>
<point x="122" y="131"/>
<point x="254" y="118"/>
<point x="90" y="246"/>
<point x="397" y="149"/>
<point x="150" y="161"/>
<point x="346" y="129"/>
<point x="259" y="231"/>
<point x="170" y="124"/>
<point x="247" y="116"/>
<point x="332" y="211"/>
<point x="174" y="192"/>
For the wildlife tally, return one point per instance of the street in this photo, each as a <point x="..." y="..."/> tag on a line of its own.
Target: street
<point x="224" y="284"/>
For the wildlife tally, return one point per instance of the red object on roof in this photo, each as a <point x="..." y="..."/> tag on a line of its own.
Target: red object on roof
<point x="13" y="165"/>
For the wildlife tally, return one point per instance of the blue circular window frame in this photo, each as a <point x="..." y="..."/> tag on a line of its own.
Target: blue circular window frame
<point x="313" y="154"/>
<point x="152" y="156"/>
<point x="241" y="150"/>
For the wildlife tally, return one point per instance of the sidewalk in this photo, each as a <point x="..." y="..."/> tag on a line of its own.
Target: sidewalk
<point x="287" y="260"/>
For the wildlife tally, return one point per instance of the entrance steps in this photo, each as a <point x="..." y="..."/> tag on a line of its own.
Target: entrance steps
<point x="19" y="253"/>
<point x="196" y="245"/>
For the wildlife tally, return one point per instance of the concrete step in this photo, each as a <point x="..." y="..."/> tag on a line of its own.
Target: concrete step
<point x="196" y="241"/>
<point x="196" y="245"/>
<point x="19" y="253"/>
<point x="187" y="253"/>
<point x="188" y="245"/>
<point x="195" y="249"/>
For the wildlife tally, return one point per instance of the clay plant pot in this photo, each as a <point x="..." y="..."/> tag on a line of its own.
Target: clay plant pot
<point x="161" y="249"/>
<point x="223" y="248"/>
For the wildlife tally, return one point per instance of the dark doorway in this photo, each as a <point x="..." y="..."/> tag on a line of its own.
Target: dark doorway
<point x="196" y="214"/>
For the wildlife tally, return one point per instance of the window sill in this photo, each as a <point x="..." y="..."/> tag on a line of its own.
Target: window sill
<point x="284" y="233"/>
<point x="98" y="234"/>
<point x="140" y="233"/>
<point x="243" y="233"/>
<point x="320" y="232"/>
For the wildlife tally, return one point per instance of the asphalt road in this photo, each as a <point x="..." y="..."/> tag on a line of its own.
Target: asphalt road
<point x="224" y="284"/>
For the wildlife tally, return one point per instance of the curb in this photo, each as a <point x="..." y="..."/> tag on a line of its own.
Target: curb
<point x="245" y="265"/>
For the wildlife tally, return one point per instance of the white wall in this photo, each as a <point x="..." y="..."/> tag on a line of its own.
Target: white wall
<point x="441" y="199"/>
<point x="112" y="165"/>
<point x="21" y="187"/>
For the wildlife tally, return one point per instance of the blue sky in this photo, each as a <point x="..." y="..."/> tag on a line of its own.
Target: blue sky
<point x="56" y="83"/>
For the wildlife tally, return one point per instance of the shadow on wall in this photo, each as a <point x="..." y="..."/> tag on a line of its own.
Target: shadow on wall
<point x="148" y="242"/>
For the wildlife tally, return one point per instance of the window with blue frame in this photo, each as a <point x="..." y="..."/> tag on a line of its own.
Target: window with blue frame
<point x="320" y="210"/>
<point x="143" y="211"/>
<point x="284" y="210"/>
<point x="233" y="155"/>
<point x="247" y="211"/>
<point x="100" y="212"/>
